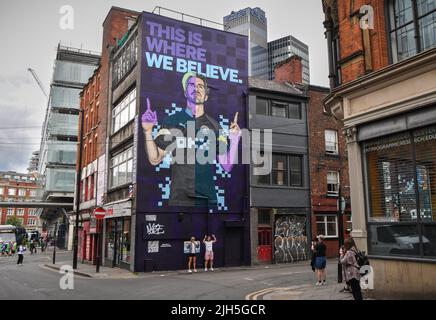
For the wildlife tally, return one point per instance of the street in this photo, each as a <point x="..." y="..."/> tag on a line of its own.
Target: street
<point x="33" y="281"/>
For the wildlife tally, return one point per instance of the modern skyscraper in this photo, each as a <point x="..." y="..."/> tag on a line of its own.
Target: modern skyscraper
<point x="57" y="155"/>
<point x="283" y="48"/>
<point x="252" y="22"/>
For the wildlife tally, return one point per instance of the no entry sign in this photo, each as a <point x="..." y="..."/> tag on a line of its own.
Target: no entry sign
<point x="99" y="213"/>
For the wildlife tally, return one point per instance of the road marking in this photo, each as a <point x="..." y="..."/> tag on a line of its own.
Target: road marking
<point x="249" y="279"/>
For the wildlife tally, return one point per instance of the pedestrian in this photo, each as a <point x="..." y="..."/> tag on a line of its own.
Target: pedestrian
<point x="320" y="260"/>
<point x="351" y="268"/>
<point x="192" y="255"/>
<point x="208" y="256"/>
<point x="346" y="288"/>
<point x="21" y="250"/>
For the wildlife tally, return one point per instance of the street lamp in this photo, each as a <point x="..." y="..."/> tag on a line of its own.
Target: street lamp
<point x="78" y="176"/>
<point x="341" y="210"/>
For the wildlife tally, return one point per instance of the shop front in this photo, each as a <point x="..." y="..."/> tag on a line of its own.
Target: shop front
<point x="117" y="251"/>
<point x="390" y="126"/>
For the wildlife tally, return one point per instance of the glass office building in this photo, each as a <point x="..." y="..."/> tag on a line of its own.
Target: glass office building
<point x="251" y="22"/>
<point x="283" y="48"/>
<point x="57" y="155"/>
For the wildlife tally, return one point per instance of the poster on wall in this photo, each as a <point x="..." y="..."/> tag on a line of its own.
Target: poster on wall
<point x="193" y="98"/>
<point x="187" y="247"/>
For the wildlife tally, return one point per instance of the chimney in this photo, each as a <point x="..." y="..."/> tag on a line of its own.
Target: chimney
<point x="289" y="70"/>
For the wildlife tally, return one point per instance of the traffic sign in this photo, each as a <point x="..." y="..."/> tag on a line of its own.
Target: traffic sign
<point x="99" y="213"/>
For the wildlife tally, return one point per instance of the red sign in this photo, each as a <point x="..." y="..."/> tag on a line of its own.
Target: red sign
<point x="99" y="213"/>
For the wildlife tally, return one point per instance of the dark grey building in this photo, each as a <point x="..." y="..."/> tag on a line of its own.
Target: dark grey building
<point x="280" y="201"/>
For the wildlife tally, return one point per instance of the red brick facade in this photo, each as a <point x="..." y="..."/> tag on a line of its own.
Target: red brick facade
<point x="289" y="70"/>
<point x="18" y="187"/>
<point x="360" y="50"/>
<point x="321" y="163"/>
<point x="96" y="109"/>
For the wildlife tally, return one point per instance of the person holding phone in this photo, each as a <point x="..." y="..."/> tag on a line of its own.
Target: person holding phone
<point x="208" y="256"/>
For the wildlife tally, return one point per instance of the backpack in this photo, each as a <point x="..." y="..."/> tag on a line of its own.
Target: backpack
<point x="361" y="259"/>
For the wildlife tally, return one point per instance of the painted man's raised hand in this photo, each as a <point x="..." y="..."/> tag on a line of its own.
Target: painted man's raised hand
<point x="149" y="118"/>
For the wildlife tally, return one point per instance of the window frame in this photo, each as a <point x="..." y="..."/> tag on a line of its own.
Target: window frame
<point x="336" y="142"/>
<point x="338" y="184"/>
<point x="122" y="109"/>
<point x="115" y="162"/>
<point x="287" y="105"/>
<point x="289" y="172"/>
<point x="325" y="223"/>
<point x="418" y="223"/>
<point x="392" y="30"/>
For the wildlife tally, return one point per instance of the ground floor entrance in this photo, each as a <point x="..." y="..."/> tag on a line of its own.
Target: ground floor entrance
<point x="117" y="242"/>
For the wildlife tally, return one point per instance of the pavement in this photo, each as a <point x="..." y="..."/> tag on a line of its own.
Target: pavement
<point x="39" y="279"/>
<point x="304" y="292"/>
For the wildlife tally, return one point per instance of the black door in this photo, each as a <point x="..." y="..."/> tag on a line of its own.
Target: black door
<point x="233" y="247"/>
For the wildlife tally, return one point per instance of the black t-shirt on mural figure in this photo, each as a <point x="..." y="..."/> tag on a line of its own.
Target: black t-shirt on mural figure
<point x="321" y="248"/>
<point x="191" y="184"/>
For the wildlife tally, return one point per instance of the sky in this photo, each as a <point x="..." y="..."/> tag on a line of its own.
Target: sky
<point x="30" y="32"/>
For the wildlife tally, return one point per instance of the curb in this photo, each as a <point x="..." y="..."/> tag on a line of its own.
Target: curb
<point x="82" y="274"/>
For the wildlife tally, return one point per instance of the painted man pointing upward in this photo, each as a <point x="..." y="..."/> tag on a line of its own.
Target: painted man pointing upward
<point x="191" y="184"/>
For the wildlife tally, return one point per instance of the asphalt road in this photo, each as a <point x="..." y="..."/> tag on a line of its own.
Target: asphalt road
<point x="31" y="281"/>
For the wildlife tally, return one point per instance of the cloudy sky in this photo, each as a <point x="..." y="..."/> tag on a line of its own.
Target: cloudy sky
<point x="30" y="32"/>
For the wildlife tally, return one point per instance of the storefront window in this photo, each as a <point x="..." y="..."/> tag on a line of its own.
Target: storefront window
<point x="401" y="193"/>
<point x="118" y="241"/>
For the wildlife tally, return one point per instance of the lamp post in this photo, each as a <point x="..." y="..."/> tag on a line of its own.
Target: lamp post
<point x="341" y="209"/>
<point x="78" y="176"/>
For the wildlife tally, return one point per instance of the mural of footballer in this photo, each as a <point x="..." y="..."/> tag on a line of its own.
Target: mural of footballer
<point x="191" y="184"/>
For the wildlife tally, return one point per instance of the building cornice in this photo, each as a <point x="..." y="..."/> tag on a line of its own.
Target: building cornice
<point x="383" y="78"/>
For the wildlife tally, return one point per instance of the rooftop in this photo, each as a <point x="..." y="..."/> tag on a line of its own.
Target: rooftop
<point x="270" y="85"/>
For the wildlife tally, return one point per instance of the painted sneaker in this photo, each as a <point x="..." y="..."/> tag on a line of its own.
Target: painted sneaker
<point x="205" y="269"/>
<point x="211" y="269"/>
<point x="318" y="283"/>
<point x="195" y="270"/>
<point x="324" y="283"/>
<point x="190" y="271"/>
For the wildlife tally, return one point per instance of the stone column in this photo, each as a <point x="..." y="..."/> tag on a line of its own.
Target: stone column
<point x="358" y="213"/>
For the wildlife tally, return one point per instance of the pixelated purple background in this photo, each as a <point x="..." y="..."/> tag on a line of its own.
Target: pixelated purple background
<point x="164" y="88"/>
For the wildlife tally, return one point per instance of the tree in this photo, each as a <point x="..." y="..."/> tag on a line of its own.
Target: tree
<point x="14" y="221"/>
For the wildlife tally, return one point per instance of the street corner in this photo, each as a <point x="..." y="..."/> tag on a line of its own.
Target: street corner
<point x="302" y="292"/>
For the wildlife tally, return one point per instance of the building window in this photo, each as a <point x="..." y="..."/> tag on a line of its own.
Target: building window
<point x="401" y="179"/>
<point x="278" y="109"/>
<point x="20" y="212"/>
<point x="11" y="191"/>
<point x="264" y="217"/>
<point x="31" y="222"/>
<point x="33" y="193"/>
<point x="331" y="142"/>
<point x="124" y="111"/>
<point x="2" y="191"/>
<point x="412" y="27"/>
<point x="121" y="168"/>
<point x="10" y="212"/>
<point x="32" y="212"/>
<point x="333" y="183"/>
<point x="124" y="61"/>
<point x="327" y="225"/>
<point x="21" y="192"/>
<point x="286" y="170"/>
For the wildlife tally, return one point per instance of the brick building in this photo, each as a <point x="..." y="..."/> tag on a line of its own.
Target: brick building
<point x="327" y="159"/>
<point x="19" y="187"/>
<point x="382" y="61"/>
<point x="94" y="106"/>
